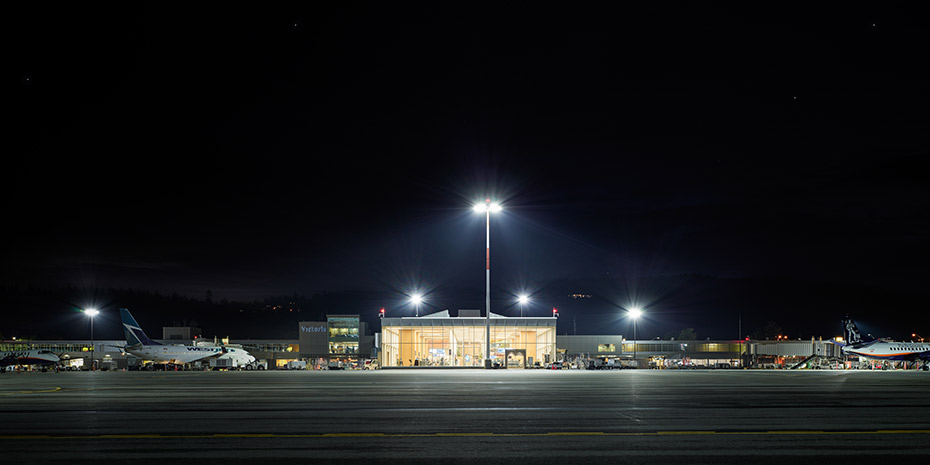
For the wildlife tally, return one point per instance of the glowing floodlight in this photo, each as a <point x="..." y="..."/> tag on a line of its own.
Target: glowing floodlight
<point x="487" y="206"/>
<point x="636" y="313"/>
<point x="91" y="312"/>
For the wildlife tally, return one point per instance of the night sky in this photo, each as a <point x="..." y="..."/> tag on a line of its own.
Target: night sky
<point x="258" y="151"/>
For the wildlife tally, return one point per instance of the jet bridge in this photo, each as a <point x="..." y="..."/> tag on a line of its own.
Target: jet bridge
<point x="818" y="362"/>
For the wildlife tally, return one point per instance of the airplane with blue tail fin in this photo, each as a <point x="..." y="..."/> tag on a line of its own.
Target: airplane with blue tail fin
<point x="881" y="349"/>
<point x="140" y="345"/>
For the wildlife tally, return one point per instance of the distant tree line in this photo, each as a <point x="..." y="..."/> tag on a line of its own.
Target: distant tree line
<point x="687" y="334"/>
<point x="36" y="313"/>
<point x="768" y="332"/>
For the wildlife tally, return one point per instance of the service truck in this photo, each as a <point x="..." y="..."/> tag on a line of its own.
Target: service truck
<point x="297" y="365"/>
<point x="236" y="364"/>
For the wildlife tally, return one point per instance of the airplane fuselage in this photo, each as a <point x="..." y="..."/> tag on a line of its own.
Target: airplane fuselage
<point x="887" y="350"/>
<point x="187" y="354"/>
<point x="28" y="357"/>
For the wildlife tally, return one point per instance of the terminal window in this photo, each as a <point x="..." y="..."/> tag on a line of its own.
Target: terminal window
<point x="343" y="347"/>
<point x="343" y="327"/>
<point x="463" y="346"/>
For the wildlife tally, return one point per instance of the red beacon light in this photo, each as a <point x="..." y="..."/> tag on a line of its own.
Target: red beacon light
<point x="381" y="313"/>
<point x="555" y="312"/>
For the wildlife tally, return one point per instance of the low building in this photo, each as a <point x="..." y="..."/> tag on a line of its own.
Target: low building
<point x="696" y="354"/>
<point x="339" y="339"/>
<point x="788" y="353"/>
<point x="653" y="353"/>
<point x="440" y="340"/>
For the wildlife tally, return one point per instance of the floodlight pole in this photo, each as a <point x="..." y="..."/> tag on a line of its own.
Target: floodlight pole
<point x="634" y="342"/>
<point x="91" y="312"/>
<point x="487" y="295"/>
<point x="92" y="345"/>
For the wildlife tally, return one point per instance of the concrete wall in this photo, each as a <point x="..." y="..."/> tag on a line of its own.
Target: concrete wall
<point x="574" y="345"/>
<point x="314" y="338"/>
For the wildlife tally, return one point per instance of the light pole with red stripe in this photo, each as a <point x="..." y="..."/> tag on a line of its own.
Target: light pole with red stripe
<point x="487" y="208"/>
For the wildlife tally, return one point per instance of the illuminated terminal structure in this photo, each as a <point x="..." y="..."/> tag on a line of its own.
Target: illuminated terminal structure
<point x="441" y="340"/>
<point x="339" y="341"/>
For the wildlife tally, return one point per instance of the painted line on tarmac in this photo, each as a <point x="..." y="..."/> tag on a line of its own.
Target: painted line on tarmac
<point x="30" y="392"/>
<point x="446" y="435"/>
<point x="61" y="389"/>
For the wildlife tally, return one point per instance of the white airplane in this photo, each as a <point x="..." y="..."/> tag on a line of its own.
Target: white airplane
<point x="880" y="349"/>
<point x="28" y="357"/>
<point x="138" y="344"/>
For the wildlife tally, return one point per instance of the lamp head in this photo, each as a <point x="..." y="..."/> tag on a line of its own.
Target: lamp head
<point x="487" y="206"/>
<point x="523" y="299"/>
<point x="91" y="312"/>
<point x="416" y="298"/>
<point x="636" y="312"/>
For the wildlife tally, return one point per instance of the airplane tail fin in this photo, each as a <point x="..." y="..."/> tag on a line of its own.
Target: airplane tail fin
<point x="132" y="330"/>
<point x="851" y="332"/>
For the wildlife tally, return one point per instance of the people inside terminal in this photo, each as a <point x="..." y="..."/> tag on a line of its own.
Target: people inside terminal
<point x="439" y="340"/>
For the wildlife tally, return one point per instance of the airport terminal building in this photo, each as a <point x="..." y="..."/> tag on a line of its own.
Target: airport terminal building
<point x="441" y="340"/>
<point x="341" y="339"/>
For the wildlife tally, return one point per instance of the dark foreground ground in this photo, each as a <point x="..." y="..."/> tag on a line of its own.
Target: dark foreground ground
<point x="439" y="417"/>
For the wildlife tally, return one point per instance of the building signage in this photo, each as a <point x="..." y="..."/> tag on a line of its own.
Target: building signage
<point x="313" y="329"/>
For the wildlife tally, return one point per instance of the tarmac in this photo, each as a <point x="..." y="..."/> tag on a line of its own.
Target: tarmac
<point x="464" y="416"/>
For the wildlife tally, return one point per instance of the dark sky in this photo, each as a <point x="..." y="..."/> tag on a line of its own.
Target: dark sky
<point x="256" y="151"/>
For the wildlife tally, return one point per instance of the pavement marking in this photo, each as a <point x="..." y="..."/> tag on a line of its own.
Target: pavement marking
<point x="579" y="433"/>
<point x="30" y="392"/>
<point x="443" y="435"/>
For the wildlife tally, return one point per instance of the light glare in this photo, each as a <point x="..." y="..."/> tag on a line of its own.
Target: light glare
<point x="485" y="207"/>
<point x="416" y="298"/>
<point x="91" y="312"/>
<point x="636" y="313"/>
<point x="523" y="299"/>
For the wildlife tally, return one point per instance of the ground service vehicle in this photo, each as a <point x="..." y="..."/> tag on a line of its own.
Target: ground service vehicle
<point x="297" y="365"/>
<point x="236" y="364"/>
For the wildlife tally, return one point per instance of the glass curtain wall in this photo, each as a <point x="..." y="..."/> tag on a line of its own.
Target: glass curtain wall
<point x="343" y="335"/>
<point x="463" y="346"/>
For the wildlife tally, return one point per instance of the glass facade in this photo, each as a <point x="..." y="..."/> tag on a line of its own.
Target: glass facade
<point x="455" y="342"/>
<point x="343" y="335"/>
